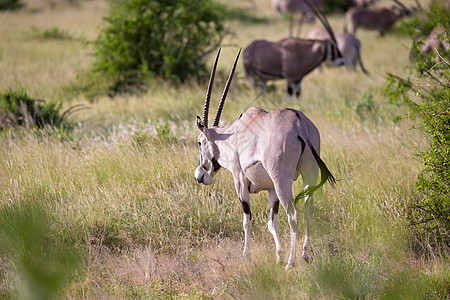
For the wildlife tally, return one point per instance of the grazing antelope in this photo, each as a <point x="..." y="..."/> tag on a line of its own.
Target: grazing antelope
<point x="380" y="19"/>
<point x="290" y="59"/>
<point x="296" y="7"/>
<point x="264" y="152"/>
<point x="347" y="43"/>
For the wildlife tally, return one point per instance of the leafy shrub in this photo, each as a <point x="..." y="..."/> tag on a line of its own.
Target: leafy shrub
<point x="19" y="109"/>
<point x="428" y="97"/>
<point x="336" y="5"/>
<point x="53" y="33"/>
<point x="164" y="38"/>
<point x="11" y="4"/>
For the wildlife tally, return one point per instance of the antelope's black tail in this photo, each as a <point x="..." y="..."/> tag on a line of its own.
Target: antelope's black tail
<point x="325" y="174"/>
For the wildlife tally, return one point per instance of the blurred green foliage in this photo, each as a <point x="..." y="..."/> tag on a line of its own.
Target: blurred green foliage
<point x="423" y="21"/>
<point x="11" y="4"/>
<point x="42" y="254"/>
<point x="165" y="38"/>
<point x="427" y="94"/>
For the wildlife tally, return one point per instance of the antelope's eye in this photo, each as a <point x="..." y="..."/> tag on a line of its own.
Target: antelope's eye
<point x="199" y="144"/>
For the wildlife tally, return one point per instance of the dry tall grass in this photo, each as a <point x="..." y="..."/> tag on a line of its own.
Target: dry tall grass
<point x="122" y="182"/>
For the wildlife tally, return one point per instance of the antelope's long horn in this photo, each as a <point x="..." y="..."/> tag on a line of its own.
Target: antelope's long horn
<point x="321" y="16"/>
<point x="225" y="91"/>
<point x="401" y="5"/>
<point x="208" y="91"/>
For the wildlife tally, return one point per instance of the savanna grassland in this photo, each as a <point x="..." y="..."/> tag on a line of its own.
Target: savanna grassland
<point x="110" y="209"/>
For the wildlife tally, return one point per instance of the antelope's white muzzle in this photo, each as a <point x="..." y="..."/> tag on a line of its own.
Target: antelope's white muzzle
<point x="202" y="176"/>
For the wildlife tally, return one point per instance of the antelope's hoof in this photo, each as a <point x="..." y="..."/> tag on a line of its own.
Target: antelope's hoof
<point x="280" y="255"/>
<point x="307" y="257"/>
<point x="289" y="266"/>
<point x="247" y="255"/>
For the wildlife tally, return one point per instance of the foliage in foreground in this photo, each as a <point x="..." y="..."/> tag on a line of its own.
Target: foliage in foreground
<point x="427" y="95"/>
<point x="41" y="251"/>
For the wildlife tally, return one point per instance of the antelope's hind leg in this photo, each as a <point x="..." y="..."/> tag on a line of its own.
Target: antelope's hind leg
<point x="273" y="223"/>
<point x="284" y="193"/>
<point x="310" y="174"/>
<point x="307" y="248"/>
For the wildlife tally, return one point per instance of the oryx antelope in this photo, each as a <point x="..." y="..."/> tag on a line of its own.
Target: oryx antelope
<point x="380" y="19"/>
<point x="264" y="151"/>
<point x="290" y="59"/>
<point x="347" y="43"/>
<point x="294" y="7"/>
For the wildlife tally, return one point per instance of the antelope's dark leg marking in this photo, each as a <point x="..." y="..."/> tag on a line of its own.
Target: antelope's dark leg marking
<point x="276" y="205"/>
<point x="246" y="208"/>
<point x="290" y="90"/>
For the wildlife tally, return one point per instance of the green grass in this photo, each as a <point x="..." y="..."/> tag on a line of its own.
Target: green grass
<point x="119" y="189"/>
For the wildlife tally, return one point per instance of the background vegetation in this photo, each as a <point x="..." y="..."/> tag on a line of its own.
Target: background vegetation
<point x="112" y="208"/>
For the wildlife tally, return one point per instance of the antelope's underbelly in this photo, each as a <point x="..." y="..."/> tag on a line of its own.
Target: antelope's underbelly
<point x="258" y="177"/>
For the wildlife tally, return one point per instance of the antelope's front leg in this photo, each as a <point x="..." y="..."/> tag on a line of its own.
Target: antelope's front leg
<point x="241" y="186"/>
<point x="247" y="222"/>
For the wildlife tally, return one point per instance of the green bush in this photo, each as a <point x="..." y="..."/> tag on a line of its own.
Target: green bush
<point x="19" y="109"/>
<point x="427" y="95"/>
<point x="10" y="4"/>
<point x="336" y="5"/>
<point x="163" y="38"/>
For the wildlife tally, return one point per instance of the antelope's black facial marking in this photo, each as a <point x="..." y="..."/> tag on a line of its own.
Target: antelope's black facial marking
<point x="246" y="209"/>
<point x="216" y="165"/>
<point x="333" y="52"/>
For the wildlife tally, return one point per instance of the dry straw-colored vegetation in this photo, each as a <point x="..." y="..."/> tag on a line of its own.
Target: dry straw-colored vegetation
<point x="119" y="187"/>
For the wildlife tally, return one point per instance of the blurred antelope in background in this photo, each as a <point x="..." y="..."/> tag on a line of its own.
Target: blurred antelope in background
<point x="348" y="45"/>
<point x="264" y="152"/>
<point x="290" y="59"/>
<point x="294" y="7"/>
<point x="380" y="19"/>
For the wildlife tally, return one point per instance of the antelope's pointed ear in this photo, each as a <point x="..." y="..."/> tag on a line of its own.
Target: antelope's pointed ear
<point x="200" y="125"/>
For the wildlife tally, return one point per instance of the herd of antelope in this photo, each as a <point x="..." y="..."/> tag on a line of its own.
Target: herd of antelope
<point x="269" y="151"/>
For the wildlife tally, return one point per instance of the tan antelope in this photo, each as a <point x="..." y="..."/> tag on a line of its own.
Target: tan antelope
<point x="264" y="152"/>
<point x="294" y="7"/>
<point x="380" y="19"/>
<point x="290" y="59"/>
<point x="347" y="43"/>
